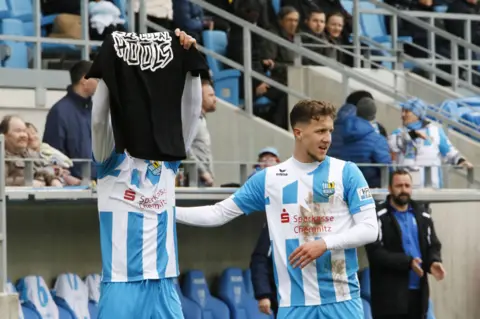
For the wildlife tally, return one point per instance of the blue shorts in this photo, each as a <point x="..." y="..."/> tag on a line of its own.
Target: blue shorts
<point x="350" y="309"/>
<point x="146" y="299"/>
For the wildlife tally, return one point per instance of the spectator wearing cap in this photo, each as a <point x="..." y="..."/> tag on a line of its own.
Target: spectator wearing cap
<point x="367" y="109"/>
<point x="361" y="144"/>
<point x="267" y="157"/>
<point x="68" y="124"/>
<point x="419" y="143"/>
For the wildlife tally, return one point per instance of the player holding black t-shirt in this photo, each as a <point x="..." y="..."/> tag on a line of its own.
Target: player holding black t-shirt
<point x="136" y="203"/>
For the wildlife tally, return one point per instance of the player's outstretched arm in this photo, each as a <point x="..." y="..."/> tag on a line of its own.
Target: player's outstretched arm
<point x="102" y="134"/>
<point x="248" y="199"/>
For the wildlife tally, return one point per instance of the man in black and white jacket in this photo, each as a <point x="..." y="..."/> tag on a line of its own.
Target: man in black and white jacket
<point x="406" y="250"/>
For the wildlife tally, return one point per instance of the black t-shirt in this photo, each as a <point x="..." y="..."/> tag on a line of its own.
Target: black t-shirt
<point x="145" y="75"/>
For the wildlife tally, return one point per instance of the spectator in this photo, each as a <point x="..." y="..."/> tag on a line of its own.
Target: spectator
<point x="159" y="12"/>
<point x="315" y="25"/>
<point x="419" y="143"/>
<point x="355" y="96"/>
<point x="406" y="250"/>
<point x="54" y="157"/>
<point x="277" y="59"/>
<point x="334" y="29"/>
<point x="331" y="7"/>
<point x="267" y="157"/>
<point x="16" y="149"/>
<point x="68" y="123"/>
<point x="367" y="110"/>
<point x="362" y="144"/>
<point x="304" y="8"/>
<point x="343" y="113"/>
<point x="201" y="149"/>
<point x="104" y="19"/>
<point x="189" y="18"/>
<point x="263" y="281"/>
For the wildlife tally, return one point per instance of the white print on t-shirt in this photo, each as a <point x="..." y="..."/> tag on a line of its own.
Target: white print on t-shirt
<point x="150" y="51"/>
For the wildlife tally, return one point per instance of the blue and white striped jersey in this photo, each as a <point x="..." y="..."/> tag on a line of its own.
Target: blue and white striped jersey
<point x="136" y="200"/>
<point x="305" y="202"/>
<point x="136" y="197"/>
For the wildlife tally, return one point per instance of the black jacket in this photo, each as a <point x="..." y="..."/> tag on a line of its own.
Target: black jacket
<point x="390" y="266"/>
<point x="261" y="266"/>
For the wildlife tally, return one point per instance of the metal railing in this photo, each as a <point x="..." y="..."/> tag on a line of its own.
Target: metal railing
<point x="428" y="64"/>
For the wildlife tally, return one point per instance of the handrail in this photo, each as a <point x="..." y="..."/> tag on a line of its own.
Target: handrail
<point x="416" y="21"/>
<point x="346" y="72"/>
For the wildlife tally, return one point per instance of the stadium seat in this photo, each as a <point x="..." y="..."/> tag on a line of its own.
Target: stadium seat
<point x="195" y="287"/>
<point x="4" y="10"/>
<point x="71" y="293"/>
<point x="276" y="4"/>
<point x="367" y="309"/>
<point x="189" y="308"/>
<point x="21" y="9"/>
<point x="232" y="292"/>
<point x="34" y="290"/>
<point x="225" y="81"/>
<point x="364" y="278"/>
<point x="430" y="313"/>
<point x="93" y="285"/>
<point x="19" y="51"/>
<point x="247" y="280"/>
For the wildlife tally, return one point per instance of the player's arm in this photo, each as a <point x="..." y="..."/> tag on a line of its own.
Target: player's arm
<point x="102" y="134"/>
<point x="191" y="109"/>
<point x="362" y="208"/>
<point x="248" y="199"/>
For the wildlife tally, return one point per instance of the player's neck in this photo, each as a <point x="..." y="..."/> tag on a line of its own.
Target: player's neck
<point x="302" y="157"/>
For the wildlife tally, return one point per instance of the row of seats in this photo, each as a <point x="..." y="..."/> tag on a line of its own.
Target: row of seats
<point x="73" y="298"/>
<point x="17" y="18"/>
<point x="464" y="110"/>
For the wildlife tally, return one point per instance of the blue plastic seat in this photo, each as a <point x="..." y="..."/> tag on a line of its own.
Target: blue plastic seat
<point x="247" y="280"/>
<point x="232" y="292"/>
<point x="4" y="9"/>
<point x="276" y="4"/>
<point x="189" y="308"/>
<point x="364" y="278"/>
<point x="34" y="290"/>
<point x="18" y="50"/>
<point x="71" y="294"/>
<point x="225" y="81"/>
<point x="92" y="282"/>
<point x="195" y="288"/>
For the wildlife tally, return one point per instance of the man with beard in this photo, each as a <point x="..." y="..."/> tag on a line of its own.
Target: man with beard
<point x="406" y="250"/>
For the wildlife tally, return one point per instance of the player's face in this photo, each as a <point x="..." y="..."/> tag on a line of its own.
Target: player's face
<point x="401" y="189"/>
<point x="316" y="137"/>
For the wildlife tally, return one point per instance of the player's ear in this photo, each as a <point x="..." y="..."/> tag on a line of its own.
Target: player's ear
<point x="297" y="132"/>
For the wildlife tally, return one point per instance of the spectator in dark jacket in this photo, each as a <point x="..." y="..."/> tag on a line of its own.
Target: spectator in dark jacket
<point x="361" y="144"/>
<point x="337" y="138"/>
<point x="263" y="281"/>
<point x="189" y="17"/>
<point x="68" y="123"/>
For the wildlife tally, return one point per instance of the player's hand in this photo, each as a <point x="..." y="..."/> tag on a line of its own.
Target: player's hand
<point x="265" y="306"/>
<point x="185" y="40"/>
<point x="416" y="262"/>
<point x="437" y="270"/>
<point x="307" y="253"/>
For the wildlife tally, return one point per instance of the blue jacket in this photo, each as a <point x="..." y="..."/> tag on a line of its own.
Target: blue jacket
<point x="361" y="144"/>
<point x="337" y="139"/>
<point x="68" y="129"/>
<point x="188" y="16"/>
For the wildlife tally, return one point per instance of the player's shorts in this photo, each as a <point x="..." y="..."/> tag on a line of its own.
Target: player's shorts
<point x="350" y="309"/>
<point x="146" y="299"/>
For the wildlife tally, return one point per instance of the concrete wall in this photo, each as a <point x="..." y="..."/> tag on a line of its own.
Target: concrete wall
<point x="325" y="84"/>
<point x="48" y="239"/>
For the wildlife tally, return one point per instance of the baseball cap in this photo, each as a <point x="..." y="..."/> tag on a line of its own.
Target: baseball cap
<point x="269" y="150"/>
<point x="366" y="108"/>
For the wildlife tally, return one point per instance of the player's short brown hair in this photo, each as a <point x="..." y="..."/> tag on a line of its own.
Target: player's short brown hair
<point x="306" y="110"/>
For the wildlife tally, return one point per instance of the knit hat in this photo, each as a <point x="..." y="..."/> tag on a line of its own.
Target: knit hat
<point x="366" y="108"/>
<point x="416" y="106"/>
<point x="354" y="97"/>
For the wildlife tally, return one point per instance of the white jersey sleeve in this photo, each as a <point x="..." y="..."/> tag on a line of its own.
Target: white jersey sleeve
<point x="102" y="134"/>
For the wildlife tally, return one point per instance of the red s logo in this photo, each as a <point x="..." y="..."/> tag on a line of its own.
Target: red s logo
<point x="284" y="217"/>
<point x="129" y="195"/>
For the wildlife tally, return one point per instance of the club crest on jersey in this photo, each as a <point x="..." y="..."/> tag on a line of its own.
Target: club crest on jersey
<point x="155" y="167"/>
<point x="328" y="188"/>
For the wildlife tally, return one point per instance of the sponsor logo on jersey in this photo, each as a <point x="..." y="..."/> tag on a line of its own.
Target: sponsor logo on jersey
<point x="284" y="216"/>
<point x="328" y="188"/>
<point x="155" y="167"/>
<point x="282" y="172"/>
<point x="150" y="51"/>
<point x="364" y="193"/>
